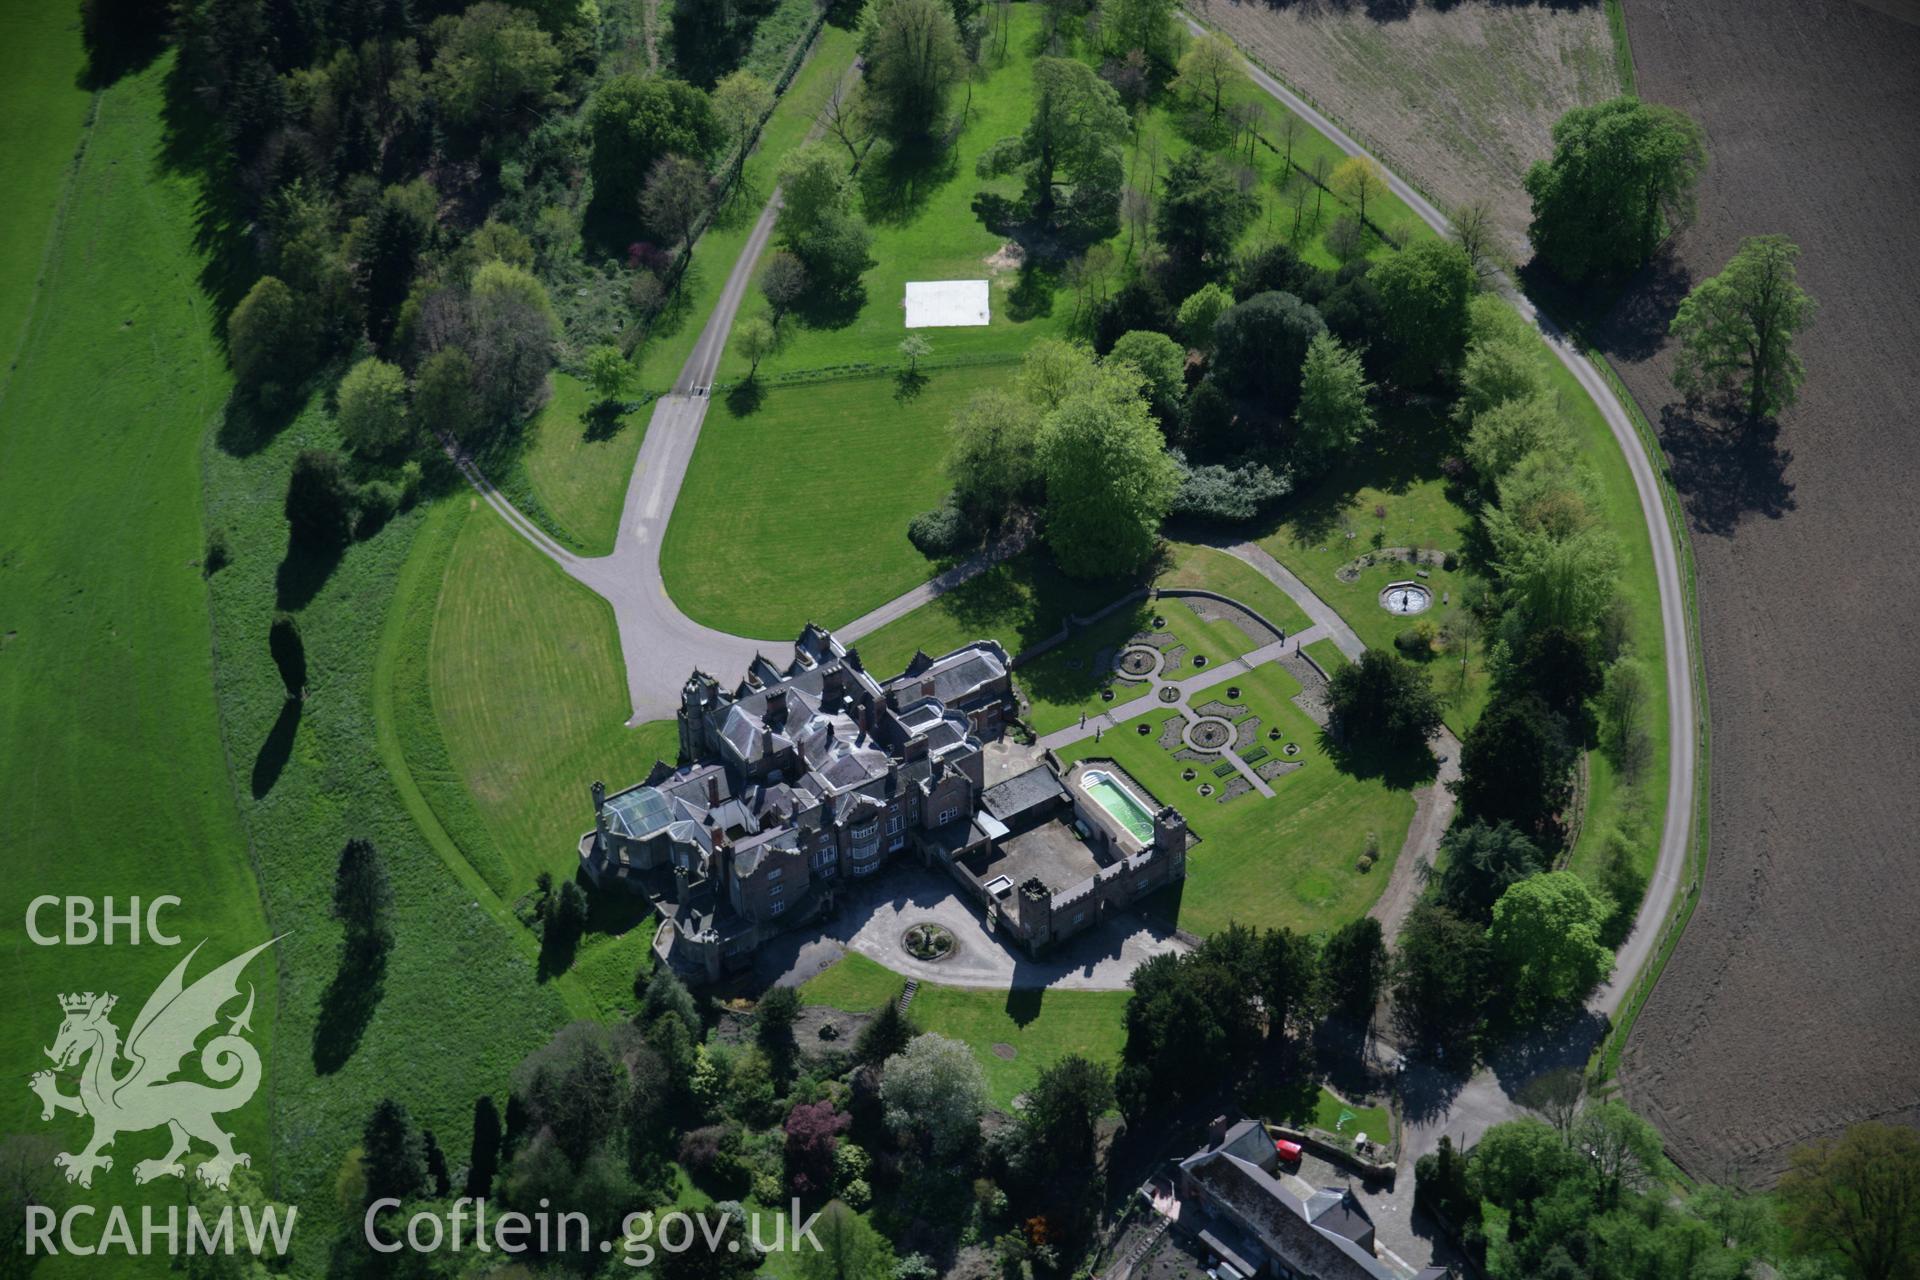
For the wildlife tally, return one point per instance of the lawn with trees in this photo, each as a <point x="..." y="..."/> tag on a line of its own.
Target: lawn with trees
<point x="1040" y="1026"/>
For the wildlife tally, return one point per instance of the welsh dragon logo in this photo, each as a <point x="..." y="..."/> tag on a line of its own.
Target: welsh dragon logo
<point x="145" y="1095"/>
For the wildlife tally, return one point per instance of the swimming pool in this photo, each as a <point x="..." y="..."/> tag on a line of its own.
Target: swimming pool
<point x="1125" y="807"/>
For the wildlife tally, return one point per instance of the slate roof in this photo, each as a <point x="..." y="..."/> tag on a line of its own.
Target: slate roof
<point x="959" y="676"/>
<point x="1023" y="793"/>
<point x="1280" y="1219"/>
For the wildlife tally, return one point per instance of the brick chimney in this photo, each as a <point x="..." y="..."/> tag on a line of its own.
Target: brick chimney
<point x="713" y="790"/>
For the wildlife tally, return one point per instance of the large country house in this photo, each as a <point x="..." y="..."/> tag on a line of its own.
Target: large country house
<point x="802" y="778"/>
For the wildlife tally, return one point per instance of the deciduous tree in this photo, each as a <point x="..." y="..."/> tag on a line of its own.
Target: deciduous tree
<point x="372" y="407"/>
<point x="1162" y="363"/>
<point x="1357" y="180"/>
<point x="1736" y="329"/>
<point x="674" y="197"/>
<point x="633" y="121"/>
<point x="934" y="1094"/>
<point x="1211" y="74"/>
<point x="1858" y="1195"/>
<point x="993" y="461"/>
<point x="913" y="60"/>
<point x="1109" y="479"/>
<point x="1424" y="291"/>
<point x="1545" y="940"/>
<point x="1620" y="179"/>
<point x="1072" y="143"/>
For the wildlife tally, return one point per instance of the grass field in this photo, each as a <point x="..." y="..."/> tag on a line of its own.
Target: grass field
<point x="1285" y="860"/>
<point x="577" y="468"/>
<point x="462" y="976"/>
<point x="115" y="782"/>
<point x="1039" y="1027"/>
<point x="45" y="112"/>
<point x="529" y="689"/>
<point x="799" y="509"/>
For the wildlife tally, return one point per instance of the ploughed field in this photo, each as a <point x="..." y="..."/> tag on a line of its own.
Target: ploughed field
<point x="1790" y="1008"/>
<point x="1457" y="98"/>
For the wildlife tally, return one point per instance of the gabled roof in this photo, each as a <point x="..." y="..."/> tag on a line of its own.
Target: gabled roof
<point x="1279" y="1219"/>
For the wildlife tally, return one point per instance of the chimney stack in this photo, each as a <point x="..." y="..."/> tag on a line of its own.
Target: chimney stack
<point x="713" y="790"/>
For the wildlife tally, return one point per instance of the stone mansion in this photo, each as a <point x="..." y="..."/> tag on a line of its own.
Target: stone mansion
<point x="802" y="778"/>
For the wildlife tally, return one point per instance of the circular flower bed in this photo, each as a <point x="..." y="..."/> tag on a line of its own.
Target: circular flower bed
<point x="1159" y="620"/>
<point x="1273" y="735"/>
<point x="928" y="942"/>
<point x="1233" y="693"/>
<point x="1291" y="749"/>
<point x="1209" y="734"/>
<point x="1188" y="775"/>
<point x="1199" y="660"/>
<point x="1106" y="695"/>
<point x="1206" y="788"/>
<point x="1139" y="662"/>
<point x="1145" y="729"/>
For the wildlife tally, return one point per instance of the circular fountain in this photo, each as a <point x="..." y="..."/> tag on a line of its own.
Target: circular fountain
<point x="1405" y="598"/>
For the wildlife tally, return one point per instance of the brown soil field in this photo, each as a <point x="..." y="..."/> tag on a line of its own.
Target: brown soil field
<point x="1792" y="1006"/>
<point x="1458" y="99"/>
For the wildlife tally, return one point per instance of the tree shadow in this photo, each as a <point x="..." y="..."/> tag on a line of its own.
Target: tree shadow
<point x="248" y="426"/>
<point x="745" y="398"/>
<point x="347" y="1007"/>
<point x="1400" y="768"/>
<point x="896" y="184"/>
<point x="908" y="384"/>
<point x="120" y="37"/>
<point x="303" y="572"/>
<point x="1563" y="1041"/>
<point x="1725" y="466"/>
<point x="197" y="144"/>
<point x="276" y="750"/>
<point x="1032" y="294"/>
<point x="830" y="308"/>
<point x="1625" y="316"/>
<point x="603" y="421"/>
<point x="558" y="948"/>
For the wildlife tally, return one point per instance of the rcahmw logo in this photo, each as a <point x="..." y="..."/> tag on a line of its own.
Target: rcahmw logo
<point x="145" y="1094"/>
